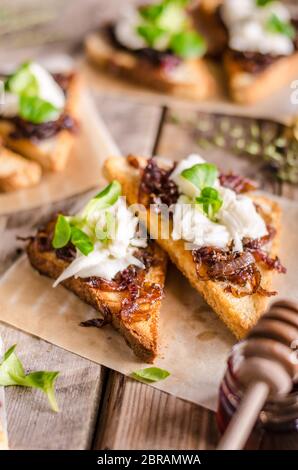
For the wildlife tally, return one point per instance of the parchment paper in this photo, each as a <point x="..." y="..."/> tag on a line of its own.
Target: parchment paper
<point x="83" y="169"/>
<point x="194" y="342"/>
<point x="278" y="106"/>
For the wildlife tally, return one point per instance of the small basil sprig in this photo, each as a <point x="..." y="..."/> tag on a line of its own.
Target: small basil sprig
<point x="22" y="81"/>
<point x="263" y="3"/>
<point x="66" y="232"/>
<point x="12" y="373"/>
<point x="201" y="175"/>
<point x="81" y="241"/>
<point x="106" y="198"/>
<point x="210" y="201"/>
<point x="188" y="44"/>
<point x="37" y="110"/>
<point x="62" y="232"/>
<point x="168" y="20"/>
<point x="32" y="108"/>
<point x="150" y="374"/>
<point x="69" y="228"/>
<point x="277" y="26"/>
<point x="150" y="33"/>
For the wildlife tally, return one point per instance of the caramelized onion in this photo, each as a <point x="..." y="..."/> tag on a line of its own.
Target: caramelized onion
<point x="232" y="265"/>
<point x="156" y="186"/>
<point x="238" y="269"/>
<point x="237" y="183"/>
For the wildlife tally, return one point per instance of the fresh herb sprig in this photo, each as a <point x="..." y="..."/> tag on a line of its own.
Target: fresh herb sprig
<point x="69" y="229"/>
<point x="211" y="201"/>
<point x="203" y="176"/>
<point x="263" y="3"/>
<point x="150" y="374"/>
<point x="32" y="108"/>
<point x="12" y="373"/>
<point x="168" y="21"/>
<point x="277" y="26"/>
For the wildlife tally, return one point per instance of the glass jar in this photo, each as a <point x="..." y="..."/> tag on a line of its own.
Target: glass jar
<point x="277" y="425"/>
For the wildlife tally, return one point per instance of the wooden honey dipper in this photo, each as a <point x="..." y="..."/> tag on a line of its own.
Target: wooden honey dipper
<point x="268" y="369"/>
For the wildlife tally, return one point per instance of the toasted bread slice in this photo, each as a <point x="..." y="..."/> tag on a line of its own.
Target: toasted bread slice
<point x="239" y="314"/>
<point x="52" y="154"/>
<point x="249" y="88"/>
<point x="141" y="336"/>
<point x="191" y="79"/>
<point x="16" y="172"/>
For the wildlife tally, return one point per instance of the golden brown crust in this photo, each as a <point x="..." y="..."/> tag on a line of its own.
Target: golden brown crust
<point x="52" y="154"/>
<point x="16" y="172"/>
<point x="239" y="314"/>
<point x="141" y="336"/>
<point x="249" y="88"/>
<point x="191" y="79"/>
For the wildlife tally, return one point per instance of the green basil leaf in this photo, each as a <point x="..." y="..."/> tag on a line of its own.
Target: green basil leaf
<point x="276" y="26"/>
<point x="62" y="232"/>
<point x="150" y="374"/>
<point x="151" y="12"/>
<point x="81" y="241"/>
<point x="150" y="33"/>
<point x="263" y="3"/>
<point x="10" y="365"/>
<point x="210" y="200"/>
<point x="12" y="373"/>
<point x="37" y="110"/>
<point x="106" y="198"/>
<point x="45" y="381"/>
<point x="201" y="175"/>
<point x="188" y="44"/>
<point x="22" y="82"/>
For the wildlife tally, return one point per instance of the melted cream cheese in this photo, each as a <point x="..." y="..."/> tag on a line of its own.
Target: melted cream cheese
<point x="236" y="219"/>
<point x="247" y="27"/>
<point x="126" y="29"/>
<point x="10" y="107"/>
<point x="48" y="88"/>
<point x="191" y="225"/>
<point x="184" y="186"/>
<point x="107" y="259"/>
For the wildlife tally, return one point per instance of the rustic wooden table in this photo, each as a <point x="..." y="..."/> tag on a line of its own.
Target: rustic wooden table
<point x="100" y="408"/>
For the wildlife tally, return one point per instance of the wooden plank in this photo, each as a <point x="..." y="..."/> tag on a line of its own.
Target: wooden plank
<point x="28" y="27"/>
<point x="31" y="423"/>
<point x="136" y="416"/>
<point x="133" y="125"/>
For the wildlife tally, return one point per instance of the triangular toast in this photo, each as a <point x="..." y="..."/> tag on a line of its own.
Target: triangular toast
<point x="141" y="336"/>
<point x="17" y="172"/>
<point x="50" y="153"/>
<point x="239" y="314"/>
<point x="190" y="79"/>
<point x="249" y="88"/>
